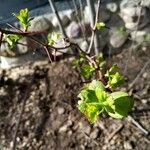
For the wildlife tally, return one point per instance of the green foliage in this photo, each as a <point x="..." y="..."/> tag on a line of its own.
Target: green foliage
<point x="23" y="17"/>
<point x="100" y="25"/>
<point x="92" y="98"/>
<point x="119" y="104"/>
<point x="12" y="39"/>
<point x="53" y="37"/>
<point x="115" y="79"/>
<point x="86" y="68"/>
<point x="95" y="99"/>
<point x="100" y="60"/>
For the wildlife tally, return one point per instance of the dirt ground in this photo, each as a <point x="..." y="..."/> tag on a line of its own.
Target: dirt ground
<point x="51" y="120"/>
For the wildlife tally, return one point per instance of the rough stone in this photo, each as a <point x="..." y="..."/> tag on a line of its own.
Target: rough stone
<point x="64" y="18"/>
<point x="141" y="36"/>
<point x="61" y="110"/>
<point x="84" y="45"/>
<point x="145" y="3"/>
<point x="9" y="62"/>
<point x="127" y="146"/>
<point x="74" y="30"/>
<point x="112" y="7"/>
<point x="40" y="24"/>
<point x="63" y="129"/>
<point x="117" y="38"/>
<point x="104" y="14"/>
<point x="131" y="14"/>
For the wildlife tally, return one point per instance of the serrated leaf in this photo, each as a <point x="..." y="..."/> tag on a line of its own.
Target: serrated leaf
<point x="96" y="84"/>
<point x="101" y="95"/>
<point x="115" y="79"/>
<point x="87" y="70"/>
<point x="91" y="110"/>
<point x="23" y="17"/>
<point x="53" y="37"/>
<point x="92" y="98"/>
<point x="12" y="39"/>
<point x="122" y="104"/>
<point x="88" y="96"/>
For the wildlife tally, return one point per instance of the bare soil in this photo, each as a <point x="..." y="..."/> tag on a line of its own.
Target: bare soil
<point x="51" y="120"/>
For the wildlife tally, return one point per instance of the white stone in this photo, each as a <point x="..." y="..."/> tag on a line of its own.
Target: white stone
<point x="63" y="129"/>
<point x="84" y="45"/>
<point x="117" y="38"/>
<point x="127" y="146"/>
<point x="10" y="62"/>
<point x="104" y="15"/>
<point x="74" y="30"/>
<point x="130" y="16"/>
<point x="146" y="3"/>
<point x="40" y="24"/>
<point x="61" y="110"/>
<point x="141" y="36"/>
<point x="64" y="18"/>
<point x="112" y="7"/>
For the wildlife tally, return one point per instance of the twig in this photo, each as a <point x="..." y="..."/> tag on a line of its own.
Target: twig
<point x="115" y="132"/>
<point x="51" y="2"/>
<point x="139" y="74"/>
<point x="21" y="113"/>
<point x="1" y="38"/>
<point x="94" y="37"/>
<point x="137" y="124"/>
<point x="79" y="20"/>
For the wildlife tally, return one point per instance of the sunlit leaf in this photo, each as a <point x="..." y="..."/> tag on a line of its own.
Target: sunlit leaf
<point x="121" y="104"/>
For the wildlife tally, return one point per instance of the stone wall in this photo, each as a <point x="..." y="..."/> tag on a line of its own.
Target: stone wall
<point x="128" y="21"/>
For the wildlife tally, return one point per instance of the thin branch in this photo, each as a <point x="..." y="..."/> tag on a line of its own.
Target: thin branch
<point x="94" y="37"/>
<point x="79" y="20"/>
<point x="1" y="38"/>
<point x="137" y="124"/>
<point x="53" y="7"/>
<point x="118" y="129"/>
<point x="48" y="53"/>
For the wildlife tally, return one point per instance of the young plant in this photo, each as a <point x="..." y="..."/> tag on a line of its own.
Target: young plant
<point x="98" y="96"/>
<point x="23" y="17"/>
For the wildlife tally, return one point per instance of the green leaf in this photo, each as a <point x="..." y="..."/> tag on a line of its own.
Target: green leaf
<point x="96" y="84"/>
<point x="100" y="60"/>
<point x="23" y="17"/>
<point x="119" y="104"/>
<point x="115" y="79"/>
<point x="92" y="99"/>
<point x="90" y="110"/>
<point x="88" y="96"/>
<point x="12" y="39"/>
<point x="100" y="25"/>
<point x="53" y="37"/>
<point x="87" y="70"/>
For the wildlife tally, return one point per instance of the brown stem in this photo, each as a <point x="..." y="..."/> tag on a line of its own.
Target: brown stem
<point x="53" y="7"/>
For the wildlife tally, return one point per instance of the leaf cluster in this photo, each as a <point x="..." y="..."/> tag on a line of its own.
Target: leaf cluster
<point x="23" y="17"/>
<point x="94" y="99"/>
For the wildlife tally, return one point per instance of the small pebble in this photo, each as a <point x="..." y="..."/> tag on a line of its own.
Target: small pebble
<point x="61" y="110"/>
<point x="127" y="146"/>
